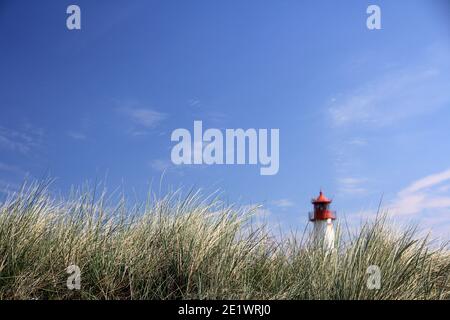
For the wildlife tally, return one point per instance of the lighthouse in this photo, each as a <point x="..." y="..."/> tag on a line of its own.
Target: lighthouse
<point x="322" y="218"/>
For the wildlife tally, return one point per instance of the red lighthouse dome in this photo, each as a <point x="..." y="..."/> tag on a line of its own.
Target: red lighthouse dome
<point x="321" y="209"/>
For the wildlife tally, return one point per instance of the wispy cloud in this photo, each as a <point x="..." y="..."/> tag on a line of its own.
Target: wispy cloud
<point x="430" y="192"/>
<point x="378" y="109"/>
<point x="12" y="169"/>
<point x="395" y="96"/>
<point x="143" y="117"/>
<point x="351" y="186"/>
<point x="77" y="135"/>
<point x="283" y="203"/>
<point x="194" y="102"/>
<point x="160" y="165"/>
<point x="141" y="120"/>
<point x="358" y="142"/>
<point x="426" y="201"/>
<point x="23" y="140"/>
<point x="166" y="166"/>
<point x="7" y="187"/>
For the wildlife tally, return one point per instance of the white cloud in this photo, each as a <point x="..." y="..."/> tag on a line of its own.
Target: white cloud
<point x="427" y="182"/>
<point x="166" y="166"/>
<point x="351" y="186"/>
<point x="283" y="203"/>
<point x="143" y="117"/>
<point x="425" y="202"/>
<point x="160" y="165"/>
<point x="424" y="194"/>
<point x="359" y="142"/>
<point x="77" y="135"/>
<point x="395" y="96"/>
<point x="7" y="187"/>
<point x="11" y="168"/>
<point x="194" y="102"/>
<point x="23" y="140"/>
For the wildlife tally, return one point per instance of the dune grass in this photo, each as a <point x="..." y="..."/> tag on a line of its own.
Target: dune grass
<point x="192" y="247"/>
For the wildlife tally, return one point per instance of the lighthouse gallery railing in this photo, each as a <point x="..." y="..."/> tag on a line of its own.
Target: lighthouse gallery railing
<point x="331" y="212"/>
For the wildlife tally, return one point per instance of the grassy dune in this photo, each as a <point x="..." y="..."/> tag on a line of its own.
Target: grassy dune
<point x="194" y="247"/>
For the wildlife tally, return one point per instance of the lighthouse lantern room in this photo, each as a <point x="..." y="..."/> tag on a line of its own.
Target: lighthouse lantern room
<point x="322" y="218"/>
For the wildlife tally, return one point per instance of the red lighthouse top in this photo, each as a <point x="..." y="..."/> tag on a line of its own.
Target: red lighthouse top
<point x="321" y="209"/>
<point x="321" y="199"/>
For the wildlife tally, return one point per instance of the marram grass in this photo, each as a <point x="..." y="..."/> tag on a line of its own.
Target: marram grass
<point x="197" y="248"/>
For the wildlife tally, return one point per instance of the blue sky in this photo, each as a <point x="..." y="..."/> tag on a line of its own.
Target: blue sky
<point x="362" y="113"/>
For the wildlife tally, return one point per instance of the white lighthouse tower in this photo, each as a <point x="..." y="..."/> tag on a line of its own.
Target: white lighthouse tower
<point x="322" y="218"/>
